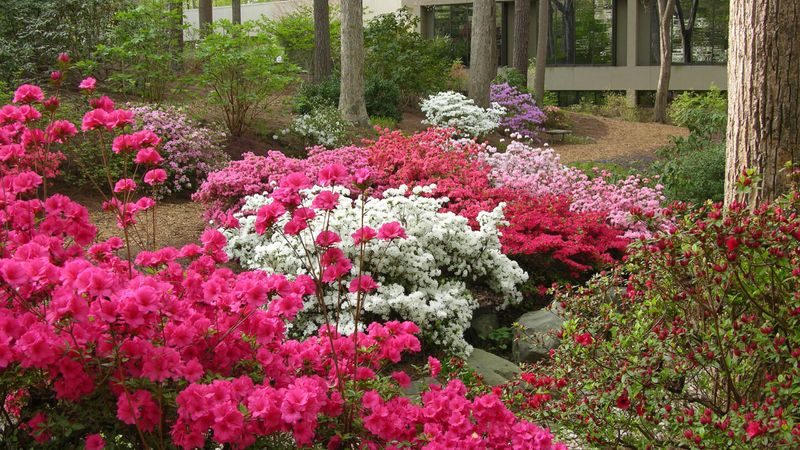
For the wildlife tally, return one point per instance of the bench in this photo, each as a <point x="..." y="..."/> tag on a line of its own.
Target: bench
<point x="560" y="133"/>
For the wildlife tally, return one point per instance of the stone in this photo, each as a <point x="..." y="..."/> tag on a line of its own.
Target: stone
<point x="484" y="321"/>
<point x="419" y="386"/>
<point x="494" y="369"/>
<point x="535" y="336"/>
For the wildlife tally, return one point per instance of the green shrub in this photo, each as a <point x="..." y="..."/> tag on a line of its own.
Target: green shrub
<point x="382" y="97"/>
<point x="511" y="76"/>
<point x="396" y="52"/>
<point x="693" y="343"/>
<point x="383" y="122"/>
<point x="323" y="125"/>
<point x="616" y="105"/>
<point x="139" y="53"/>
<point x="557" y="118"/>
<point x="243" y="66"/>
<point x="702" y="113"/>
<point x="693" y="169"/>
<point x="295" y="33"/>
<point x="34" y="32"/>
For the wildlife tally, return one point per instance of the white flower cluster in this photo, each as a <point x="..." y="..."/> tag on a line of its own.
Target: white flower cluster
<point x="454" y="110"/>
<point x="423" y="278"/>
<point x="324" y="126"/>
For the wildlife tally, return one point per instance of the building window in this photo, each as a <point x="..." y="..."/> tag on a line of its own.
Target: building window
<point x="455" y="22"/>
<point x="700" y="32"/>
<point x="581" y="32"/>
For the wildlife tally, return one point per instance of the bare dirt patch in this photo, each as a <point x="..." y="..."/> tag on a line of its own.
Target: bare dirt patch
<point x="616" y="141"/>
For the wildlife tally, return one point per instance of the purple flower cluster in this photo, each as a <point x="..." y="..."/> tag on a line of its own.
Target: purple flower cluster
<point x="190" y="150"/>
<point x="522" y="115"/>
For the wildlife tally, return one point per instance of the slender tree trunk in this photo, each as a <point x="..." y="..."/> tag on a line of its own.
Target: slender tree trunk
<point x="522" y="10"/>
<point x="763" y="95"/>
<point x="236" y="11"/>
<point x="351" y="98"/>
<point x="206" y="13"/>
<point x="666" y="9"/>
<point x="176" y="8"/>
<point x="482" y="42"/>
<point x="569" y="27"/>
<point x="322" y="63"/>
<point x="687" y="28"/>
<point x="542" y="34"/>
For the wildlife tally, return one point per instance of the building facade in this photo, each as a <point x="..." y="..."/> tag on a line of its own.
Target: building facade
<point x="601" y="45"/>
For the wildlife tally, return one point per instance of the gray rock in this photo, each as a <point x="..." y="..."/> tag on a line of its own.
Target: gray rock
<point x="535" y="336"/>
<point x="484" y="321"/>
<point x="494" y="369"/>
<point x="419" y="386"/>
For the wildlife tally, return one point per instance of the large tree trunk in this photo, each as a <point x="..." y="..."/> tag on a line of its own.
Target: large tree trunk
<point x="482" y="64"/>
<point x="351" y="97"/>
<point x="322" y="64"/>
<point x="521" y="35"/>
<point x="666" y="9"/>
<point x="236" y="11"/>
<point x="206" y="16"/>
<point x="541" y="49"/>
<point x="763" y="95"/>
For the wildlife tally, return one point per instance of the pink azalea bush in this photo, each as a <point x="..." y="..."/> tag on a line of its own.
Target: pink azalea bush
<point x="172" y="350"/>
<point x="224" y="190"/>
<point x="190" y="151"/>
<point x="539" y="172"/>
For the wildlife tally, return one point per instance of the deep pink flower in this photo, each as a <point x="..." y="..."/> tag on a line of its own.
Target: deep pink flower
<point x="148" y="156"/>
<point x="332" y="174"/>
<point x="327" y="238"/>
<point x="364" y="234"/>
<point x="362" y="176"/>
<point x="391" y="230"/>
<point x="435" y="366"/>
<point x="584" y="339"/>
<point x="28" y="93"/>
<point x="103" y="103"/>
<point x="295" y="226"/>
<point x="402" y="379"/>
<point x="60" y="130"/>
<point x="63" y="57"/>
<point x="95" y="442"/>
<point x="267" y="215"/>
<point x="364" y="283"/>
<point x="125" y="185"/>
<point x="56" y="76"/>
<point x="326" y="200"/>
<point x="88" y="84"/>
<point x="155" y="176"/>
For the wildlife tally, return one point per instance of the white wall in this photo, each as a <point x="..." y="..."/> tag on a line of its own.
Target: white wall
<point x="274" y="10"/>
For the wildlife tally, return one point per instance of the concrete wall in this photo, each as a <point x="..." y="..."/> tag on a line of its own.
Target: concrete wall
<point x="274" y="10"/>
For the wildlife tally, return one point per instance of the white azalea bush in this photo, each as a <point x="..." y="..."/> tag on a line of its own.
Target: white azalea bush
<point x="323" y="125"/>
<point x="454" y="110"/>
<point x="423" y="277"/>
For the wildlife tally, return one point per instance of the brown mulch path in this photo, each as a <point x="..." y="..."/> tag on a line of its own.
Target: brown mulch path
<point x="616" y="140"/>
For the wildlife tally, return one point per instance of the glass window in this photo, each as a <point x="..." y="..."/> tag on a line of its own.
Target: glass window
<point x="700" y="32"/>
<point x="455" y="21"/>
<point x="581" y="32"/>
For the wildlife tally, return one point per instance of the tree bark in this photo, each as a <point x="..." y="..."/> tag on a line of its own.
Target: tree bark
<point x="482" y="43"/>
<point x="521" y="35"/>
<point x="351" y="98"/>
<point x="542" y="34"/>
<point x="666" y="10"/>
<point x="236" y="11"/>
<point x="206" y="16"/>
<point x="322" y="64"/>
<point x="763" y="95"/>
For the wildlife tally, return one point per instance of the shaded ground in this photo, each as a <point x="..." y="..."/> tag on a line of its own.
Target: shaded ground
<point x="616" y="141"/>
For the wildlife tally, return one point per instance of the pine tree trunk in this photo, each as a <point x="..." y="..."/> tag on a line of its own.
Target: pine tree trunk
<point x="541" y="49"/>
<point x="482" y="64"/>
<point x="763" y="95"/>
<point x="206" y="16"/>
<point x="322" y="64"/>
<point x="522" y="10"/>
<point x="176" y="8"/>
<point x="236" y="11"/>
<point x="351" y="98"/>
<point x="666" y="9"/>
